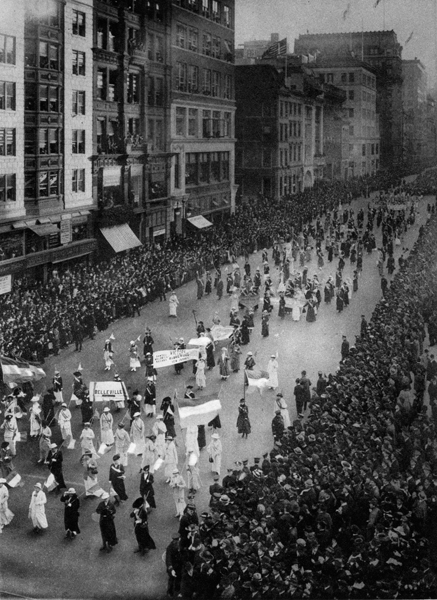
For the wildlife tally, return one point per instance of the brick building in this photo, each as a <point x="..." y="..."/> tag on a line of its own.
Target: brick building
<point x="381" y="50"/>
<point x="202" y="110"/>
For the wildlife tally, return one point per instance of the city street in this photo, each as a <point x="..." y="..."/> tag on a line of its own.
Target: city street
<point x="51" y="566"/>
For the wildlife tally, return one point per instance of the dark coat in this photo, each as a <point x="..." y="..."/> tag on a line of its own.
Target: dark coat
<point x="106" y="510"/>
<point x="116" y="474"/>
<point x="71" y="511"/>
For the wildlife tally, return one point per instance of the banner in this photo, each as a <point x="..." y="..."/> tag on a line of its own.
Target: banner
<point x="199" y="411"/>
<point x="105" y="391"/>
<point x="221" y="333"/>
<point x="5" y="284"/>
<point x="257" y="379"/>
<point x="165" y="358"/>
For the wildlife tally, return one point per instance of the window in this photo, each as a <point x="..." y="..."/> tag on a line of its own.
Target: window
<point x="181" y="77"/>
<point x="192" y="122"/>
<point x="351" y="94"/>
<point x="7" y="142"/>
<point x="216" y="47"/>
<point x="215" y="84"/>
<point x="351" y="130"/>
<point x="151" y="47"/>
<point x="207" y="44"/>
<point x="49" y="56"/>
<point x="133" y="90"/>
<point x="7" y="95"/>
<point x="181" y="35"/>
<point x="101" y="84"/>
<point x="177" y="171"/>
<point x="159" y="48"/>
<point x="205" y="8"/>
<point x="193" y="79"/>
<point x="112" y="85"/>
<point x="351" y="113"/>
<point x="7" y="188"/>
<point x="216" y="123"/>
<point x="7" y="49"/>
<point x="78" y="102"/>
<point x="226" y="16"/>
<point x="193" y="39"/>
<point x="363" y="150"/>
<point x="206" y="124"/>
<point x="78" y="180"/>
<point x="224" y="166"/>
<point x="191" y="168"/>
<point x="48" y="9"/>
<point x="227" y="120"/>
<point x="78" y="23"/>
<point x="204" y="167"/>
<point x="351" y="77"/>
<point x="78" y="141"/>
<point x="329" y="77"/>
<point x="133" y="126"/>
<point x="215" y="9"/>
<point x="48" y="98"/>
<point x="343" y="77"/>
<point x="206" y="83"/>
<point x="227" y="92"/>
<point x="78" y="63"/>
<point x="48" y="183"/>
<point x="181" y="121"/>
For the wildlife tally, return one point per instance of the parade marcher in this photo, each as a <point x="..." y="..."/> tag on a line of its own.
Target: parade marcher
<point x="106" y="424"/>
<point x="178" y="486"/>
<point x="265" y="324"/>
<point x="35" y="417"/>
<point x="193" y="476"/>
<point x="58" y="387"/>
<point x="137" y="433"/>
<point x="180" y="345"/>
<point x="282" y="406"/>
<point x="272" y="370"/>
<point x="150" y="398"/>
<point x="223" y="363"/>
<point x="106" y="510"/>
<point x="10" y="428"/>
<point x="146" y="486"/>
<point x="277" y="427"/>
<point x="306" y="386"/>
<point x="210" y="360"/>
<point x="151" y="372"/>
<point x="6" y="515"/>
<point x="168" y="411"/>
<point x="148" y="343"/>
<point x="44" y="442"/>
<point x="108" y="353"/>
<point x="245" y="332"/>
<point x="243" y="422"/>
<point x="37" y="512"/>
<point x="116" y="479"/>
<point x="87" y="438"/>
<point x="235" y="352"/>
<point x="64" y="420"/>
<point x="159" y="429"/>
<point x="86" y="409"/>
<point x="173" y="563"/>
<point x="134" y="404"/>
<point x="55" y="460"/>
<point x="134" y="360"/>
<point x="173" y="304"/>
<point x="71" y="513"/>
<point x="200" y="373"/>
<point x="345" y="346"/>
<point x="299" y="395"/>
<point x="141" y="527"/>
<point x="219" y="288"/>
<point x="122" y="443"/>
<point x="215" y="453"/>
<point x="170" y="458"/>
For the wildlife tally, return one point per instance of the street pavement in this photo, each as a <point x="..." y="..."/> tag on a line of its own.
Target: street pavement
<point x="50" y="566"/>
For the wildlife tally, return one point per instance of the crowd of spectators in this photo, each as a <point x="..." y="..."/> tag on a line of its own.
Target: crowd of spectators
<point x="345" y="504"/>
<point x="38" y="319"/>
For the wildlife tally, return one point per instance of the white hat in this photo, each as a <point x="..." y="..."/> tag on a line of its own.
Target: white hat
<point x="181" y="339"/>
<point x="215" y="436"/>
<point x="159" y="417"/>
<point x="175" y="470"/>
<point x="35" y="399"/>
<point x="64" y="404"/>
<point x="38" y="485"/>
<point x="250" y="354"/>
<point x="71" y="491"/>
<point x="106" y="409"/>
<point x="137" y="414"/>
<point x="53" y="446"/>
<point x="107" y="341"/>
<point x="132" y="343"/>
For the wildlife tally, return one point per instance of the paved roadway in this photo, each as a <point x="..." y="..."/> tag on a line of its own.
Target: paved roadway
<point x="50" y="566"/>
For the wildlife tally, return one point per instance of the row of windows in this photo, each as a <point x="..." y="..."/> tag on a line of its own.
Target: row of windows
<point x="78" y="23"/>
<point x="188" y="38"/>
<point x="206" y="167"/>
<point x="290" y="109"/>
<point x="214" y="123"/>
<point x="187" y="79"/>
<point x="369" y="149"/>
<point x="210" y="9"/>
<point x="45" y="140"/>
<point x="348" y="78"/>
<point x="7" y="95"/>
<point x="45" y="55"/>
<point x="7" y="49"/>
<point x="291" y="154"/>
<point x="44" y="98"/>
<point x="48" y="183"/>
<point x="106" y="87"/>
<point x="291" y="129"/>
<point x="7" y="142"/>
<point x="7" y="187"/>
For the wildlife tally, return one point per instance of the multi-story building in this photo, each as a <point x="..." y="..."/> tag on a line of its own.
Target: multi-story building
<point x="381" y="50"/>
<point x="415" y="99"/>
<point x="202" y="110"/>
<point x="280" y="127"/>
<point x="252" y="50"/>
<point x="358" y="81"/>
<point x="54" y="224"/>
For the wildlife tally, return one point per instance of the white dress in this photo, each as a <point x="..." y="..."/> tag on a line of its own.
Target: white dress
<point x="106" y="433"/>
<point x="35" y="423"/>
<point x="191" y="443"/>
<point x="173" y="305"/>
<point x="200" y="374"/>
<point x="37" y="511"/>
<point x="122" y="443"/>
<point x="282" y="405"/>
<point x="137" y="435"/>
<point x="215" y="452"/>
<point x="170" y="459"/>
<point x="64" y="420"/>
<point x="295" y="313"/>
<point x="159" y="429"/>
<point x="272" y="369"/>
<point x="6" y="515"/>
<point x="86" y="441"/>
<point x="178" y="484"/>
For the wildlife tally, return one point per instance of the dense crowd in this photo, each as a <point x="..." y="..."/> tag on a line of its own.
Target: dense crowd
<point x="38" y="319"/>
<point x="345" y="505"/>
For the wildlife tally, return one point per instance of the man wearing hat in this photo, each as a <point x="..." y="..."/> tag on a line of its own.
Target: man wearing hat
<point x="64" y="420"/>
<point x="58" y="387"/>
<point x="6" y="515"/>
<point x="116" y="479"/>
<point x="344" y="347"/>
<point x="173" y="563"/>
<point x="37" y="511"/>
<point x="55" y="460"/>
<point x="278" y="426"/>
<point x="71" y="513"/>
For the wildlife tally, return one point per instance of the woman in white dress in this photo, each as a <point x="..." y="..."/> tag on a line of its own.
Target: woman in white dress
<point x="200" y="373"/>
<point x="282" y="406"/>
<point x="6" y="515"/>
<point x="134" y="361"/>
<point x="159" y="429"/>
<point x="35" y="418"/>
<point x="272" y="370"/>
<point x="215" y="453"/>
<point x="191" y="440"/>
<point x="106" y="424"/>
<point x="173" y="304"/>
<point x="170" y="458"/>
<point x="295" y="311"/>
<point x="137" y="434"/>
<point x="37" y="511"/>
<point x="149" y="454"/>
<point x="87" y="440"/>
<point x="193" y="477"/>
<point x="178" y="485"/>
<point x="107" y="355"/>
<point x="122" y="443"/>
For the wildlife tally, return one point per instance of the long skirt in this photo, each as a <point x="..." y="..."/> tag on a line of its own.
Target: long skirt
<point x="107" y="529"/>
<point x="144" y="539"/>
<point x="243" y="425"/>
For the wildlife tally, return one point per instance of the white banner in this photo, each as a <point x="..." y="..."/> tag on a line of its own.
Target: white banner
<point x="5" y="284"/>
<point x="105" y="391"/>
<point x="221" y="333"/>
<point x="165" y="358"/>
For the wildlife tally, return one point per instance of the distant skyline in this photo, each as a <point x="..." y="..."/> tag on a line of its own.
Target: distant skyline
<point x="257" y="19"/>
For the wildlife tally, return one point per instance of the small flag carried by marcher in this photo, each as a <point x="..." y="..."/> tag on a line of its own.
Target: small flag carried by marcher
<point x="158" y="464"/>
<point x="50" y="484"/>
<point x="103" y="448"/>
<point x="80" y="368"/>
<point x="138" y="338"/>
<point x="257" y="379"/>
<point x="71" y="444"/>
<point x="112" y="336"/>
<point x="132" y="448"/>
<point x="14" y="480"/>
<point x="21" y="436"/>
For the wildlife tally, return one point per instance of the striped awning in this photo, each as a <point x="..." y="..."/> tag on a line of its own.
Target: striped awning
<point x="120" y="237"/>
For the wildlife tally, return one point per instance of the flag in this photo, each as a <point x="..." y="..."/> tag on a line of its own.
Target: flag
<point x="80" y="368"/>
<point x="112" y="336"/>
<point x="346" y="12"/>
<point x="276" y="49"/>
<point x="409" y="38"/>
<point x="376" y="3"/>
<point x="199" y="411"/>
<point x="38" y="372"/>
<point x="138" y="338"/>
<point x="257" y="379"/>
<point x="16" y="371"/>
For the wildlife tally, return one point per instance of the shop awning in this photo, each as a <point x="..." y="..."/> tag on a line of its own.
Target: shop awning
<point x="199" y="222"/>
<point x="120" y="237"/>
<point x="43" y="230"/>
